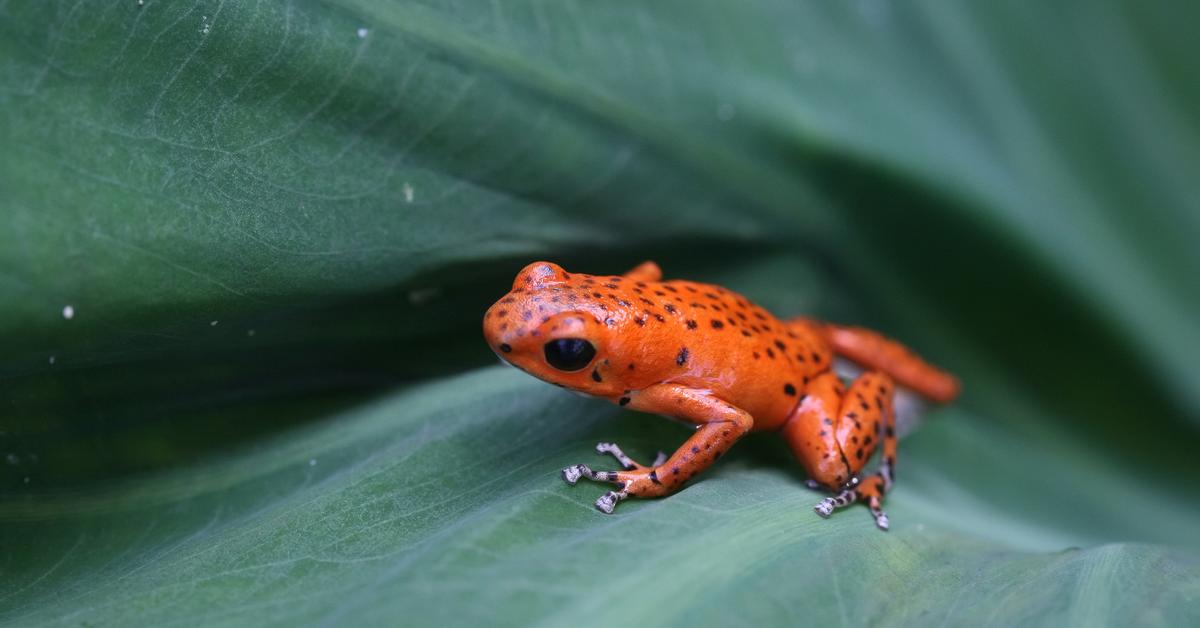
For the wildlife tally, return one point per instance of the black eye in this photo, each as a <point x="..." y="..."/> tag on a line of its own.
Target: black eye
<point x="569" y="354"/>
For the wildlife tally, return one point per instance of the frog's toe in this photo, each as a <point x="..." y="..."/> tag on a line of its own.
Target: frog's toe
<point x="571" y="474"/>
<point x="826" y="506"/>
<point x="609" y="500"/>
<point x="614" y="451"/>
<point x="629" y="464"/>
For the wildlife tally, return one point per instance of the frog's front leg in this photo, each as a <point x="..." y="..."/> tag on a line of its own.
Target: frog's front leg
<point x="720" y="425"/>
<point x="572" y="473"/>
<point x="627" y="462"/>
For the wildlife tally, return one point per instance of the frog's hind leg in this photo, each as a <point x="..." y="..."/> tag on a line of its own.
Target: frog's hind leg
<point x="834" y="450"/>
<point x="646" y="271"/>
<point x="871" y="492"/>
<point x="874" y="351"/>
<point x="867" y="418"/>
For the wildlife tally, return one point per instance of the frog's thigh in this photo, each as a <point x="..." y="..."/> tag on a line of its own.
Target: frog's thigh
<point x="811" y="433"/>
<point x="862" y="418"/>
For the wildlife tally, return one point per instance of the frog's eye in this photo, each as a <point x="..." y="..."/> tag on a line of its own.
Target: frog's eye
<point x="569" y="354"/>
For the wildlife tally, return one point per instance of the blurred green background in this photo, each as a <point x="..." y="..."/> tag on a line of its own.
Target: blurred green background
<point x="276" y="227"/>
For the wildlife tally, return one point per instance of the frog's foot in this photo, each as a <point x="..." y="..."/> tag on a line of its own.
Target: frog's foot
<point x="628" y="463"/>
<point x="608" y="501"/>
<point x="869" y="491"/>
<point x="826" y="506"/>
<point x="881" y="518"/>
<point x="572" y="474"/>
<point x="641" y="482"/>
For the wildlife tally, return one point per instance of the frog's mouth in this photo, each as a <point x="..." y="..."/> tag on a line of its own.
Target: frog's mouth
<point x="514" y="365"/>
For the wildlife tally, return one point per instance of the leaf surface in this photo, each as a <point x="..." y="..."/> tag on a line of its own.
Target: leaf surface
<point x="245" y="247"/>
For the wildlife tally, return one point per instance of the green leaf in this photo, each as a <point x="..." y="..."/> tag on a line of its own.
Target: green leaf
<point x="245" y="249"/>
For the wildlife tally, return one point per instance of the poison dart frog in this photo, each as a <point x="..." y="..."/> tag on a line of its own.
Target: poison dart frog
<point x="710" y="357"/>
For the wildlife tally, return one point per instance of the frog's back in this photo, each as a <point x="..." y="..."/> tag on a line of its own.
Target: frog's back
<point x="740" y="350"/>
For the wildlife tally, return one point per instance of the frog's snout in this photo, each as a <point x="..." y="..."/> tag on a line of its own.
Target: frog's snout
<point x="497" y="329"/>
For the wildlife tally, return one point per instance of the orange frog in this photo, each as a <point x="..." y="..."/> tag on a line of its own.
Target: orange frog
<point x="710" y="357"/>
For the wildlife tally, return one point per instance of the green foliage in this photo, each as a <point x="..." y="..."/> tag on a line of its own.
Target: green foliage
<point x="277" y="226"/>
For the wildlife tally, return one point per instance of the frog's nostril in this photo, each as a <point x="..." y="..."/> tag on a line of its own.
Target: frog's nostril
<point x="505" y="348"/>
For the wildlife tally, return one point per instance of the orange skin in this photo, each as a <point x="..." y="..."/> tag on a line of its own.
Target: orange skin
<point x="710" y="357"/>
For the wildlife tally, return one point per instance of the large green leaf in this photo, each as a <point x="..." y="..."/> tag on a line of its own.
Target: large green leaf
<point x="276" y="226"/>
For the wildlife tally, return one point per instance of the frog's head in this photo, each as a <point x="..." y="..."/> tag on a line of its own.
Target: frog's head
<point x="550" y="326"/>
